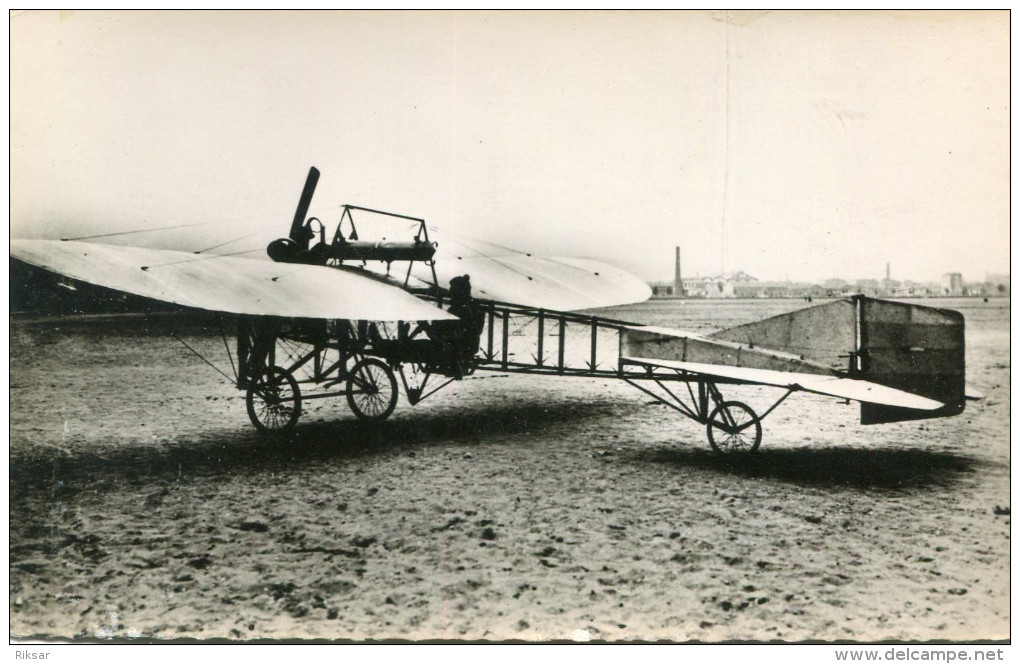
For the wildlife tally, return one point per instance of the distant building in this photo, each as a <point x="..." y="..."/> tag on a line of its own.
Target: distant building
<point x="889" y="285"/>
<point x="742" y="285"/>
<point x="719" y="286"/>
<point x="868" y="287"/>
<point x="780" y="289"/>
<point x="835" y="287"/>
<point x="952" y="284"/>
<point x="997" y="284"/>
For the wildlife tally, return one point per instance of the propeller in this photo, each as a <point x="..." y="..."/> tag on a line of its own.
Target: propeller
<point x="298" y="233"/>
<point x="291" y="249"/>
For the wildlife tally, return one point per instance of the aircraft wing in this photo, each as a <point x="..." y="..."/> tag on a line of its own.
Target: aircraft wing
<point x="544" y="282"/>
<point x="226" y="283"/>
<point x="563" y="284"/>
<point x="834" y="386"/>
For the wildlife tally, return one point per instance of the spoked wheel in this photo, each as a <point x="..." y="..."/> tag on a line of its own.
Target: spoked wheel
<point x="274" y="401"/>
<point x="372" y="390"/>
<point x="733" y="428"/>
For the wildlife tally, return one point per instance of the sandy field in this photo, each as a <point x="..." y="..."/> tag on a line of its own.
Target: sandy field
<point x="143" y="505"/>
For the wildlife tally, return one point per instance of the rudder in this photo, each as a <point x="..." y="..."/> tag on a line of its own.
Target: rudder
<point x="914" y="348"/>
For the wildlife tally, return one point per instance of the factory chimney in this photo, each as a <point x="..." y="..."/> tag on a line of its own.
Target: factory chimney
<point x="678" y="282"/>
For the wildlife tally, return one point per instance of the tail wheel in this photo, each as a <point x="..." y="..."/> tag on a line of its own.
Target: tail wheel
<point x="372" y="390"/>
<point x="733" y="428"/>
<point x="274" y="401"/>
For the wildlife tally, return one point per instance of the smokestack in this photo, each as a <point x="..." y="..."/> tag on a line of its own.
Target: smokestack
<point x="678" y="282"/>
<point x="887" y="272"/>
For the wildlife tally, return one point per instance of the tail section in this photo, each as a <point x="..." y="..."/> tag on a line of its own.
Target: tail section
<point x="908" y="347"/>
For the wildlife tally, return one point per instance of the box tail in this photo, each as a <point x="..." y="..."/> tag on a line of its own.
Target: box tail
<point x="913" y="348"/>
<point x="909" y="347"/>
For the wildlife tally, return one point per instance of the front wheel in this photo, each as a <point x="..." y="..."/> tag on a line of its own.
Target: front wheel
<point x="274" y="401"/>
<point x="372" y="390"/>
<point x="733" y="428"/>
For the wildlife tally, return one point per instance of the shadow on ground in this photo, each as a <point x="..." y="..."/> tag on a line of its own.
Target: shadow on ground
<point x="240" y="450"/>
<point x="883" y="468"/>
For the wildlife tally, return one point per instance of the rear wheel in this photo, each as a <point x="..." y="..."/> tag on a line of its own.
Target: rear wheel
<point x="733" y="428"/>
<point x="274" y="401"/>
<point x="372" y="390"/>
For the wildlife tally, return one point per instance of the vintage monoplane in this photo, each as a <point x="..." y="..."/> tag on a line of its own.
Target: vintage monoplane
<point x="330" y="317"/>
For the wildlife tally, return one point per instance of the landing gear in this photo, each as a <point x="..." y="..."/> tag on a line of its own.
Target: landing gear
<point x="733" y="428"/>
<point x="274" y="401"/>
<point x="372" y="390"/>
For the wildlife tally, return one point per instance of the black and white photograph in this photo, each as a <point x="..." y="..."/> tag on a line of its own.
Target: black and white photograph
<point x="511" y="327"/>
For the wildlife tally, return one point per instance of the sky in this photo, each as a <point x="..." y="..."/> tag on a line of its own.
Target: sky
<point x="789" y="145"/>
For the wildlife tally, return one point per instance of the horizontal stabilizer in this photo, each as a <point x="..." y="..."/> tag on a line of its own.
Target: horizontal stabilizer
<point x="844" y="388"/>
<point x="227" y="284"/>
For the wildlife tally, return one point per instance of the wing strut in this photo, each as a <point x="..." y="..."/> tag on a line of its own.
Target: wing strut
<point x="202" y="357"/>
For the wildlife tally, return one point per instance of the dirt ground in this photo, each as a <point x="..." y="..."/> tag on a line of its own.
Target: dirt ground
<point x="144" y="505"/>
